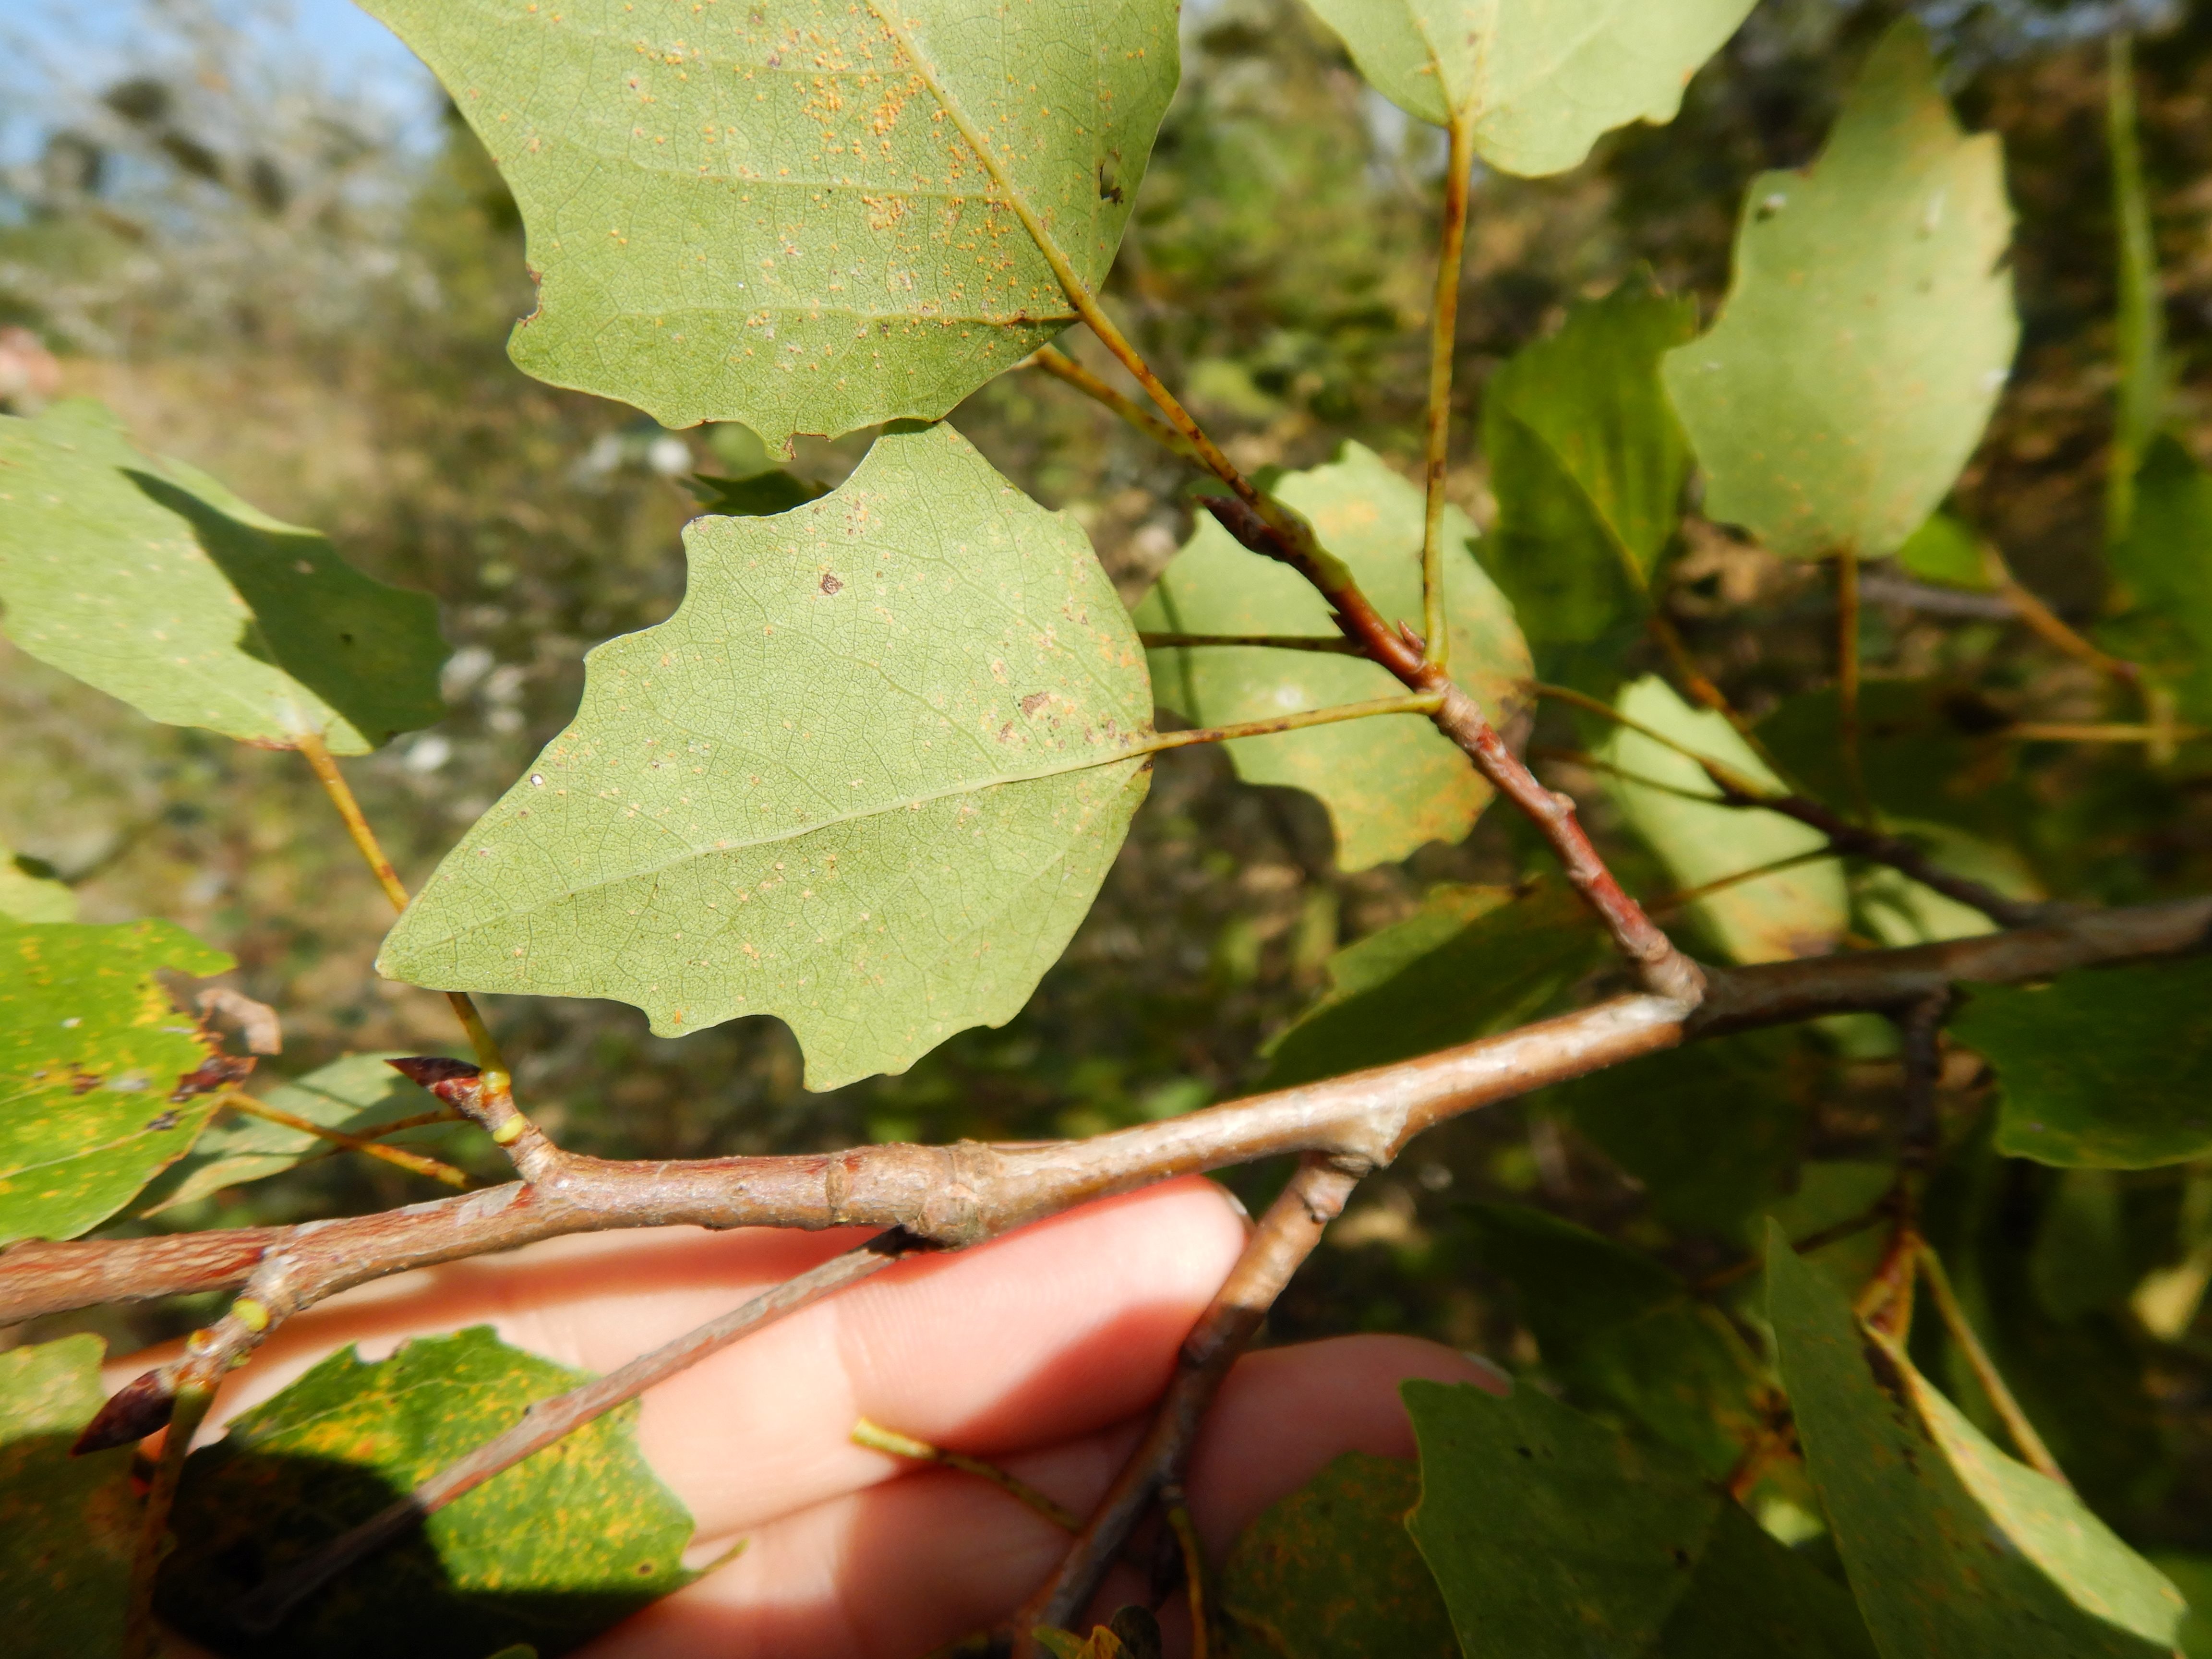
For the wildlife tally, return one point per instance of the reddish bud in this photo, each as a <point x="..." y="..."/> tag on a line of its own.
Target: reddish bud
<point x="454" y="1081"/>
<point x="132" y="1411"/>
<point x="216" y="1072"/>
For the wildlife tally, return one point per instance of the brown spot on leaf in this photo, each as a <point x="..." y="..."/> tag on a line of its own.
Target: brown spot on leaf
<point x="830" y="584"/>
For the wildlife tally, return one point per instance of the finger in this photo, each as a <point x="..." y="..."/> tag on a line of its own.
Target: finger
<point x="1050" y="1333"/>
<point x="899" y="1568"/>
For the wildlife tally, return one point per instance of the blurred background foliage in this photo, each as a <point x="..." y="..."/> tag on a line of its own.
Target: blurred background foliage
<point x="309" y="297"/>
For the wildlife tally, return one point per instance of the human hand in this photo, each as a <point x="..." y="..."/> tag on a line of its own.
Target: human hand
<point x="1041" y="1351"/>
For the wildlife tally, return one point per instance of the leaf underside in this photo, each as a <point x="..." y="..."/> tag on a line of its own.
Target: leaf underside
<point x="1391" y="783"/>
<point x="148" y="580"/>
<point x="1868" y="328"/>
<point x="1539" y="80"/>
<point x="863" y="779"/>
<point x="764" y="213"/>
<point x="90" y="1051"/>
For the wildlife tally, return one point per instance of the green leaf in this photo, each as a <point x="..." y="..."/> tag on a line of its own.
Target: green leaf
<point x="2106" y="1068"/>
<point x="1798" y="912"/>
<point x="770" y="214"/>
<point x="1625" y="1337"/>
<point x="1944" y="552"/>
<point x="1539" y="80"/>
<point x="1471" y="961"/>
<point x="354" y="1094"/>
<point x="1587" y="462"/>
<point x="2161" y="572"/>
<point x="148" y="580"/>
<point x="550" y="1552"/>
<point x="1330" y="1572"/>
<point x="1754" y="1598"/>
<point x="756" y="496"/>
<point x="1927" y="750"/>
<point x="90" y="1051"/>
<point x="2144" y="375"/>
<point x="1952" y="1547"/>
<point x="1550" y="1536"/>
<point x="1711" y="1131"/>
<point x="1868" y="329"/>
<point x="865" y="779"/>
<point x="1899" y="911"/>
<point x="70" y="1523"/>
<point x="1392" y="783"/>
<point x="28" y="893"/>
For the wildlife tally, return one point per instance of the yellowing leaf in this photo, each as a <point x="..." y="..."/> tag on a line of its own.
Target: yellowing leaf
<point x="1540" y="80"/>
<point x="90" y="1052"/>
<point x="148" y="580"/>
<point x="769" y="212"/>
<point x="864" y="778"/>
<point x="1392" y="783"/>
<point x="1868" y="327"/>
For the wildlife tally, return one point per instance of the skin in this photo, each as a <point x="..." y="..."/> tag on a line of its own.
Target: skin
<point x="1040" y="1352"/>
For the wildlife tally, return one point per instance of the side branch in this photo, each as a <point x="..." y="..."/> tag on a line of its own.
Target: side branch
<point x="956" y="1195"/>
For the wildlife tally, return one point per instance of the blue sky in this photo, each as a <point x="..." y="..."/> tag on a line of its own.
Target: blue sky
<point x="87" y="44"/>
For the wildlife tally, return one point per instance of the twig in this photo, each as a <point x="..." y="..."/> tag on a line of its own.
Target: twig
<point x="1194" y="1567"/>
<point x="1066" y="370"/>
<point x="876" y="1437"/>
<point x="262" y="1610"/>
<point x="1443" y="336"/>
<point x="141" y="1640"/>
<point x="1693" y="679"/>
<point x="2049" y="624"/>
<point x="2063" y="732"/>
<point x="1919" y="1030"/>
<point x="1338" y="646"/>
<point x="1422" y="703"/>
<point x="2022" y="1432"/>
<point x="414" y="1163"/>
<point x="1284" y="1236"/>
<point x="956" y="1195"/>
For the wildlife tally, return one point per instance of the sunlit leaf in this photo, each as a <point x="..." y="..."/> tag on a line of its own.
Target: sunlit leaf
<point x="70" y="1523"/>
<point x="1624" y="1336"/>
<point x="27" y="894"/>
<point x="1900" y="911"/>
<point x="90" y="1052"/>
<point x="1868" y="327"/>
<point x="2162" y="572"/>
<point x="2108" y="1068"/>
<point x="1797" y="912"/>
<point x="863" y="779"/>
<point x="1952" y="1547"/>
<point x="1587" y="462"/>
<point x="1330" y="1572"/>
<point x="1540" y="80"/>
<point x="1551" y="1535"/>
<point x="1710" y="1132"/>
<point x="1389" y="784"/>
<point x="1471" y="961"/>
<point x="774" y="213"/>
<point x="549" y="1552"/>
<point x="148" y="580"/>
<point x="354" y="1094"/>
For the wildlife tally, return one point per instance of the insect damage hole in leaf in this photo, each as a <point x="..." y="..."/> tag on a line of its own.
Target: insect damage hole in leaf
<point x="147" y="578"/>
<point x="877" y="810"/>
<point x="759" y="213"/>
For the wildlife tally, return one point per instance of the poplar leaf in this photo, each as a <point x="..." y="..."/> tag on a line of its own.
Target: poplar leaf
<point x="776" y="213"/>
<point x="1952" y="1547"/>
<point x="864" y="778"/>
<point x="354" y="1094"/>
<point x="70" y="1523"/>
<point x="1539" y="80"/>
<point x="1330" y="1572"/>
<point x="1587" y="461"/>
<point x="2103" y="1068"/>
<point x="1868" y="327"/>
<point x="90" y="1052"/>
<point x="2161" y="571"/>
<point x="1798" y="912"/>
<point x="28" y="895"/>
<point x="549" y="1552"/>
<point x="1391" y="783"/>
<point x="147" y="578"/>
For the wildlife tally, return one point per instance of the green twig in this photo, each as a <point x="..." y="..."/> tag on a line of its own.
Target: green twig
<point x="1336" y="645"/>
<point x="876" y="1437"/>
<point x="2022" y="1432"/>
